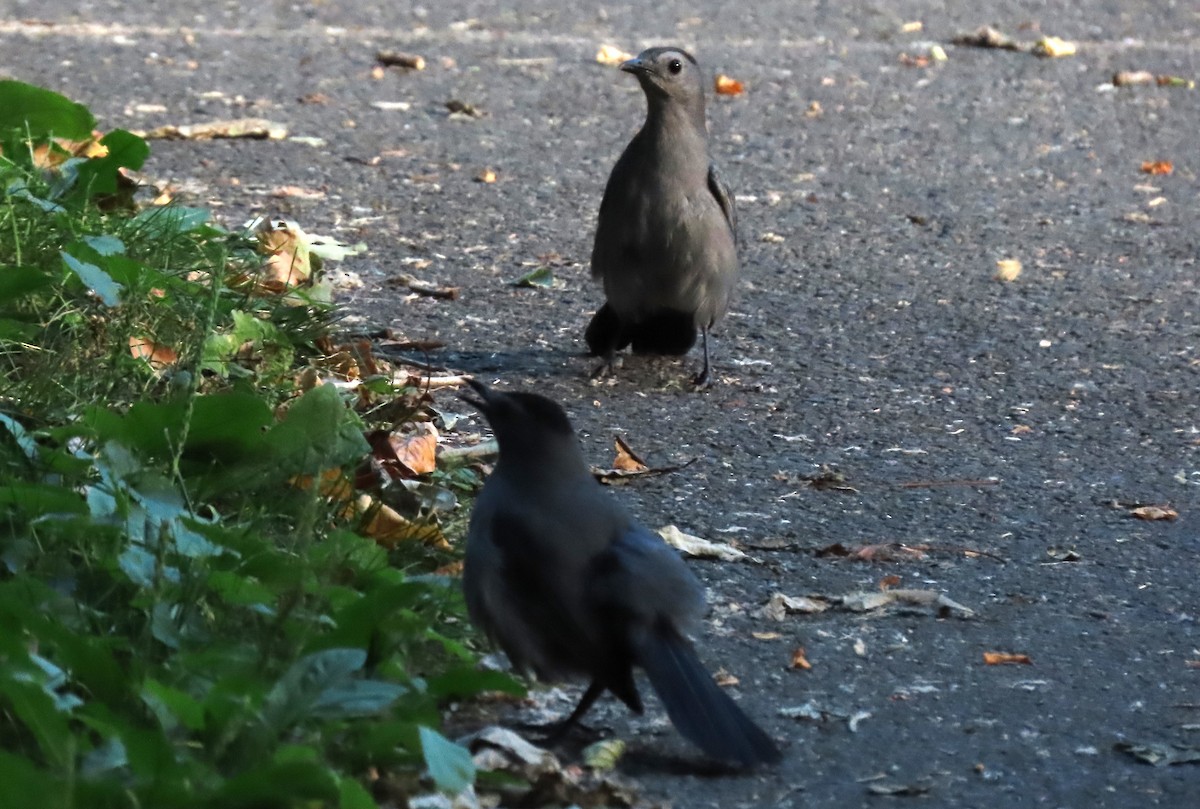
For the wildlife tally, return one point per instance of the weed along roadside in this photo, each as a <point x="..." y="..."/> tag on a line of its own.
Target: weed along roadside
<point x="220" y="544"/>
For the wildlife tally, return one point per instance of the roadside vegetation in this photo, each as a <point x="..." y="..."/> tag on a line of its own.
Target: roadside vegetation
<point x="201" y="603"/>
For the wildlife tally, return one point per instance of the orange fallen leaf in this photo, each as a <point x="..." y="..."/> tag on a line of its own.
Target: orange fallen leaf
<point x="158" y="357"/>
<point x="728" y="86"/>
<point x="1158" y="167"/>
<point x="417" y="451"/>
<point x="627" y="460"/>
<point x="1154" y="513"/>
<point x="888" y="582"/>
<point x="799" y="660"/>
<point x="1002" y="658"/>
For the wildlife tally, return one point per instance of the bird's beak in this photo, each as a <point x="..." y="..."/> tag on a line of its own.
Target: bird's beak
<point x="635" y="66"/>
<point x="480" y="400"/>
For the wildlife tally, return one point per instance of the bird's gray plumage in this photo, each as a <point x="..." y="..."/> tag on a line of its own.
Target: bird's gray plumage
<point x="569" y="585"/>
<point x="665" y="247"/>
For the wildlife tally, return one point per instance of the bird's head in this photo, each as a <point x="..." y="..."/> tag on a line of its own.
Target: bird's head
<point x="527" y="425"/>
<point x="667" y="74"/>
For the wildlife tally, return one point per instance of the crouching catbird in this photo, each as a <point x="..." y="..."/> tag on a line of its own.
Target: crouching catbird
<point x="666" y="245"/>
<point x="568" y="584"/>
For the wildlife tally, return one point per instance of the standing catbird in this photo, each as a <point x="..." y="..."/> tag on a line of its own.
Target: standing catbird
<point x="568" y="583"/>
<point x="665" y="244"/>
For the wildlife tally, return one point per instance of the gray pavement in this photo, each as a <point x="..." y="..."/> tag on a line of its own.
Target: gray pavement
<point x="869" y="334"/>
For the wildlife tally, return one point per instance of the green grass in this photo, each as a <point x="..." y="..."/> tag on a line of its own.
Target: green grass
<point x="185" y="619"/>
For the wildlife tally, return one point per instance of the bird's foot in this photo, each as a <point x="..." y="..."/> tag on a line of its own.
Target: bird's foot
<point x="607" y="367"/>
<point x="703" y="380"/>
<point x="553" y="733"/>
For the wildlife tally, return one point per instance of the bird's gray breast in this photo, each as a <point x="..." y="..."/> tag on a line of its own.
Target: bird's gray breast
<point x="663" y="240"/>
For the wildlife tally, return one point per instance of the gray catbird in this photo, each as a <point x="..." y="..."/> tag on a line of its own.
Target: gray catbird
<point x="569" y="584"/>
<point x="665" y="245"/>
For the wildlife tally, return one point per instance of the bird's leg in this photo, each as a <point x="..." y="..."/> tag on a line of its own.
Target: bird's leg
<point x="704" y="378"/>
<point x="560" y="729"/>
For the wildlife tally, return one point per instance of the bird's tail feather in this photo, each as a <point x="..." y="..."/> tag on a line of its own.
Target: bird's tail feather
<point x="699" y="709"/>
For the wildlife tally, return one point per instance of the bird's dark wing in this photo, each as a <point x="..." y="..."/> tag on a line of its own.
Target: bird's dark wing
<point x="530" y="611"/>
<point x="720" y="192"/>
<point x="642" y="579"/>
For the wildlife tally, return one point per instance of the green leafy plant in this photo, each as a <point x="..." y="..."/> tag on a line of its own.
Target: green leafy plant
<point x="186" y="618"/>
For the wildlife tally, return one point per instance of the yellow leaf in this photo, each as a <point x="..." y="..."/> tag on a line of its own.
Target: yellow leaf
<point x="1007" y="269"/>
<point x="389" y="528"/>
<point x="612" y="55"/>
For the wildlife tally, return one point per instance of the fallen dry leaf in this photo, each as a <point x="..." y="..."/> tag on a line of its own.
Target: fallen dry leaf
<point x="888" y="582"/>
<point x="1154" y="512"/>
<point x="457" y="107"/>
<point x="416" y="452"/>
<point x="285" y="191"/>
<point x="881" y="552"/>
<point x="1054" y="47"/>
<point x="907" y="790"/>
<point x="628" y="465"/>
<point x="1175" y="81"/>
<point x="156" y="356"/>
<point x="1126" y="78"/>
<point x="987" y="37"/>
<point x="424" y="287"/>
<point x="799" y="660"/>
<point x="779" y="605"/>
<point x="603" y="755"/>
<point x="914" y="61"/>
<point x="252" y="128"/>
<point x="702" y="548"/>
<point x="612" y="55"/>
<point x="288" y="262"/>
<point x="389" y="528"/>
<point x="728" y="86"/>
<point x="1158" y="167"/>
<point x="1160" y="754"/>
<point x="1005" y="658"/>
<point x="724" y="679"/>
<point x="765" y="635"/>
<point x="627" y="460"/>
<point x="868" y="601"/>
<point x="1007" y="269"/>
<point x="487" y="176"/>
<point x="411" y="61"/>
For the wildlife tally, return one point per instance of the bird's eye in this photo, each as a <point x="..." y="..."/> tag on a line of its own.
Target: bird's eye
<point x="675" y="66"/>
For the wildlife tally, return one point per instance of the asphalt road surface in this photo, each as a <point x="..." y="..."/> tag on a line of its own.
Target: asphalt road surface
<point x="996" y="437"/>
